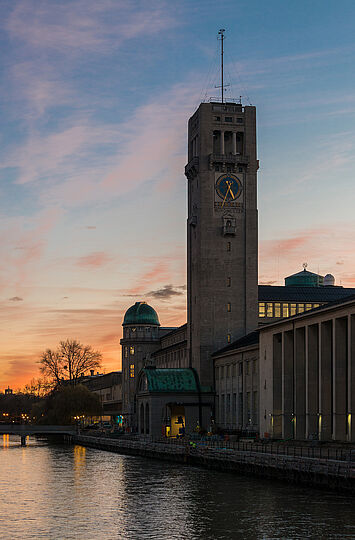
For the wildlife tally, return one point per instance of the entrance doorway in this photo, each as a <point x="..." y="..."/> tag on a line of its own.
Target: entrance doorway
<point x="178" y="423"/>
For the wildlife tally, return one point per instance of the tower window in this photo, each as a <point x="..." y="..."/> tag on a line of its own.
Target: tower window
<point x="131" y="371"/>
<point x="293" y="310"/>
<point x="229" y="281"/>
<point x="285" y="310"/>
<point x="300" y="308"/>
<point x="229" y="246"/>
<point x="269" y="309"/>
<point x="126" y="352"/>
<point x="131" y="350"/>
<point x="229" y="307"/>
<point x="277" y="310"/>
<point x="261" y="309"/>
<point x="228" y="338"/>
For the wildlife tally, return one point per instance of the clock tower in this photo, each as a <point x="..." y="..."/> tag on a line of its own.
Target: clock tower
<point x="222" y="230"/>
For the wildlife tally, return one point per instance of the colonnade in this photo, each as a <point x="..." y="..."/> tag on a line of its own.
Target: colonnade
<point x="313" y="379"/>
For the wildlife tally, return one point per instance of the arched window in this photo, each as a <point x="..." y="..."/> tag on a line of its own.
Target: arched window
<point x="147" y="419"/>
<point x="142" y="418"/>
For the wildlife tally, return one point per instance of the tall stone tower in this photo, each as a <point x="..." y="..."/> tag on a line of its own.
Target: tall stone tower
<point x="222" y="230"/>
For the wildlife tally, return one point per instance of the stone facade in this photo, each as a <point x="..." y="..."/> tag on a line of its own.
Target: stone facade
<point x="307" y="375"/>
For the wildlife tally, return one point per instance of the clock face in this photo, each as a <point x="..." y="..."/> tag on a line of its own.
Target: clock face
<point x="228" y="187"/>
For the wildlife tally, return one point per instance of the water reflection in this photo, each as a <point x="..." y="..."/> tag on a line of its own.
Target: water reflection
<point x="71" y="492"/>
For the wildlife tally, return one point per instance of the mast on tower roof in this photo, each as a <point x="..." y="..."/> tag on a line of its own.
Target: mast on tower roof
<point x="222" y="86"/>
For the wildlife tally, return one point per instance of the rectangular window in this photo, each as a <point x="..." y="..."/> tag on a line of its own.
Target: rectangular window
<point x="240" y="368"/>
<point x="229" y="307"/>
<point x="234" y="370"/>
<point x="131" y="371"/>
<point x="228" y="371"/>
<point x="228" y="119"/>
<point x="234" y="407"/>
<point x="300" y="308"/>
<point x="277" y="310"/>
<point x="261" y="309"/>
<point x="240" y="409"/>
<point x="293" y="310"/>
<point x="228" y="406"/>
<point x="229" y="282"/>
<point x="269" y="309"/>
<point x="247" y="367"/>
<point x="222" y="409"/>
<point x="217" y="118"/>
<point x="240" y="120"/>
<point x="229" y="246"/>
<point x="285" y="310"/>
<point x="126" y="352"/>
<point x="131" y="350"/>
<point x="316" y="305"/>
<point x="308" y="306"/>
<point x="228" y="338"/>
<point x="255" y="408"/>
<point x="254" y="366"/>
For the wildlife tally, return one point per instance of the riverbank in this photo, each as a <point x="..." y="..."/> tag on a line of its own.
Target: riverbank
<point x="325" y="473"/>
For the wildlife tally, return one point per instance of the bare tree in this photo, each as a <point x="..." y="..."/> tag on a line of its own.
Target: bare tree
<point x="69" y="362"/>
<point x="38" y="387"/>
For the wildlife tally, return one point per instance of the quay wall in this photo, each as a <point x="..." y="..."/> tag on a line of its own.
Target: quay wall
<point x="325" y="473"/>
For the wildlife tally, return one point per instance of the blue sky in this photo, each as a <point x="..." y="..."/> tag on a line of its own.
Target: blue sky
<point x="94" y="106"/>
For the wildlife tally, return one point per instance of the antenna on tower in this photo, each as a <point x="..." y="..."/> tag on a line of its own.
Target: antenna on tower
<point x="221" y="39"/>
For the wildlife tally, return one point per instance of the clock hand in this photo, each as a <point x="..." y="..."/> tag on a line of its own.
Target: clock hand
<point x="229" y="190"/>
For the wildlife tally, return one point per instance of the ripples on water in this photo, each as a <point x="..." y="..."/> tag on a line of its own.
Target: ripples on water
<point x="65" y="492"/>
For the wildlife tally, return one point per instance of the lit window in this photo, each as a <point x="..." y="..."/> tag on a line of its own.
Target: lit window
<point x="277" y="310"/>
<point x="261" y="309"/>
<point x="229" y="282"/>
<point x="131" y="371"/>
<point x="316" y="305"/>
<point x="229" y="307"/>
<point x="269" y="309"/>
<point x="131" y="350"/>
<point x="300" y="308"/>
<point x="308" y="306"/>
<point x="126" y="352"/>
<point x="228" y="246"/>
<point x="285" y="310"/>
<point x="293" y="310"/>
<point x="228" y="338"/>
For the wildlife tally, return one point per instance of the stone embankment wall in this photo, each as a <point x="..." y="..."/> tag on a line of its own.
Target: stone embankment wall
<point x="328" y="473"/>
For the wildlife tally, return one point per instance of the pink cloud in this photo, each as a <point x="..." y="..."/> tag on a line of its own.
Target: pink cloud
<point x="94" y="260"/>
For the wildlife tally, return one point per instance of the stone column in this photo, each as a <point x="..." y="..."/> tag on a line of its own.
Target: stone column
<point x="351" y="409"/>
<point x="234" y="135"/>
<point x="325" y="382"/>
<point x="222" y="142"/>
<point x="340" y="382"/>
<point x="300" y="384"/>
<point x="287" y="386"/>
<point x="312" y="381"/>
<point x="277" y="386"/>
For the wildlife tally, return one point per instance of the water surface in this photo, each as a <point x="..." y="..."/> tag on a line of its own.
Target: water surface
<point x="70" y="492"/>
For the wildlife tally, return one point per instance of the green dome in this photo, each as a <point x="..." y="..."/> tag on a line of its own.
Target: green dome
<point x="141" y="313"/>
<point x="304" y="279"/>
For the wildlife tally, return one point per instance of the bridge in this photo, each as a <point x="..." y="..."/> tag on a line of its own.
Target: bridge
<point x="24" y="430"/>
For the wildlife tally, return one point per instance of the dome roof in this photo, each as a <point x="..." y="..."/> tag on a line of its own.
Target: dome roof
<point x="304" y="279"/>
<point x="141" y="313"/>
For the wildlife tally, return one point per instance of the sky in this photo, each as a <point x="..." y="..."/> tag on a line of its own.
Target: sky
<point x="94" y="103"/>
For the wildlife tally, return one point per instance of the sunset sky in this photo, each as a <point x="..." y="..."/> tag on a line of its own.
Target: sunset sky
<point x="95" y="100"/>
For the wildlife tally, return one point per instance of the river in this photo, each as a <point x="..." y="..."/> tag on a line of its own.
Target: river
<point x="61" y="492"/>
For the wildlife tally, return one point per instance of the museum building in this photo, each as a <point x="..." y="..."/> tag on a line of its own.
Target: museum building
<point x="231" y="363"/>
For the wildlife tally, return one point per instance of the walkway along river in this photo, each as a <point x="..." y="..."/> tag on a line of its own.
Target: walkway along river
<point x="326" y="471"/>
